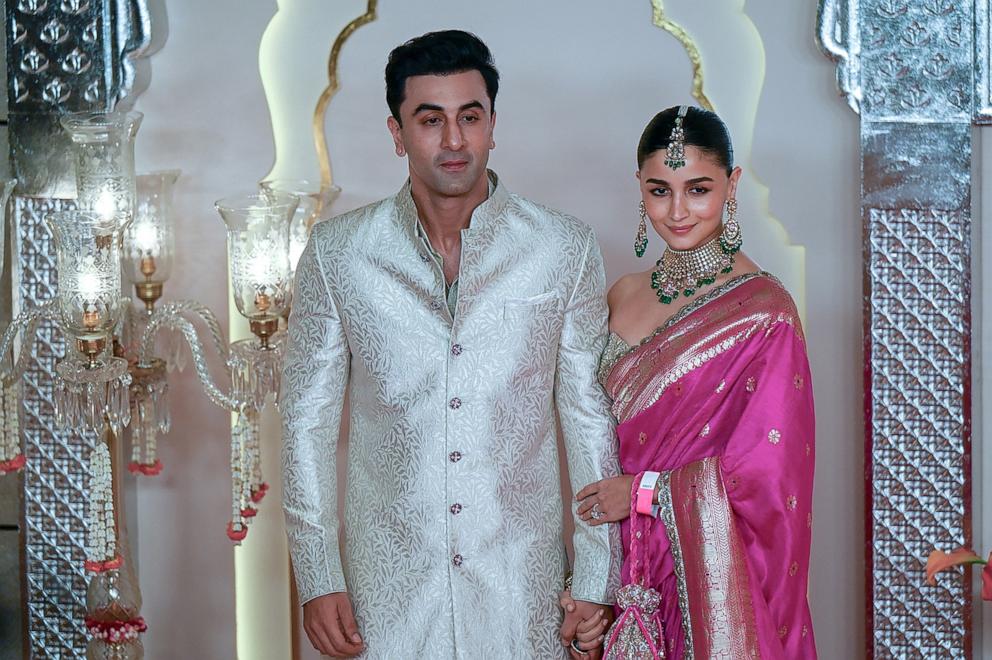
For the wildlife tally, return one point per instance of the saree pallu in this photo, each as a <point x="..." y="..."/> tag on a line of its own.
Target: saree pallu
<point x="719" y="401"/>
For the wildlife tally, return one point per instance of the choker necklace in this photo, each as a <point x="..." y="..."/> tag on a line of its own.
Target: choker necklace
<point x="686" y="271"/>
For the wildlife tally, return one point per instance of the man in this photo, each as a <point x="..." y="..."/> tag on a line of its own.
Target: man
<point x="457" y="316"/>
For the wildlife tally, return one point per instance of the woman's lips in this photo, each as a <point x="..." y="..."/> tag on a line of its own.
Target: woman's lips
<point x="681" y="231"/>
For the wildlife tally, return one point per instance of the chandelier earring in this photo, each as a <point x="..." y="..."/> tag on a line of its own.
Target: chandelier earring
<point x="641" y="240"/>
<point x="730" y="238"/>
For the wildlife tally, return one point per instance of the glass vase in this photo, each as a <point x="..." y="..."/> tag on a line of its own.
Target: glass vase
<point x="103" y="146"/>
<point x="315" y="205"/>
<point x="258" y="256"/>
<point x="149" y="243"/>
<point x="88" y="253"/>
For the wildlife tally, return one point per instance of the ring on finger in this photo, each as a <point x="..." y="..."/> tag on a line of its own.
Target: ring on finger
<point x="596" y="512"/>
<point x="578" y="649"/>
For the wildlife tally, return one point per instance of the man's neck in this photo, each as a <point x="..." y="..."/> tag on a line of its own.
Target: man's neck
<point x="444" y="217"/>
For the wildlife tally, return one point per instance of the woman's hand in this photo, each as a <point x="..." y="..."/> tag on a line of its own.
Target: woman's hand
<point x="608" y="497"/>
<point x="583" y="633"/>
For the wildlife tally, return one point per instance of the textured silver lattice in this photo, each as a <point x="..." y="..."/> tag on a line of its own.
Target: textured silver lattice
<point x="73" y="55"/>
<point x="918" y="330"/>
<point x="918" y="73"/>
<point x="55" y="478"/>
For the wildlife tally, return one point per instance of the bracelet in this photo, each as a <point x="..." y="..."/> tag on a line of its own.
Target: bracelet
<point x="645" y="493"/>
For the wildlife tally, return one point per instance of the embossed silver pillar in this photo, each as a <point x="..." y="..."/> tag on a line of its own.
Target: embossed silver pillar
<point x="917" y="73"/>
<point x="62" y="56"/>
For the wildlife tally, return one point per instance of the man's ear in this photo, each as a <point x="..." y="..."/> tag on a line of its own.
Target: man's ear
<point x="396" y="131"/>
<point x="492" y="132"/>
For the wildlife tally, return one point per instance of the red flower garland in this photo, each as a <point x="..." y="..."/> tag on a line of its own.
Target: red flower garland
<point x="116" y="632"/>
<point x="13" y="465"/>
<point x="147" y="469"/>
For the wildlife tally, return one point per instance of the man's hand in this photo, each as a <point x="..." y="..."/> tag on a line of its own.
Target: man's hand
<point x="609" y="497"/>
<point x="585" y="622"/>
<point x="330" y="625"/>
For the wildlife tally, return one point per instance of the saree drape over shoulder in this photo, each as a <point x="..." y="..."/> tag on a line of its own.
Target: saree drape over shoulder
<point x="719" y="401"/>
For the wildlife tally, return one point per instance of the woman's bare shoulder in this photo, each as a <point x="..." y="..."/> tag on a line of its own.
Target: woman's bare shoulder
<point x="626" y="286"/>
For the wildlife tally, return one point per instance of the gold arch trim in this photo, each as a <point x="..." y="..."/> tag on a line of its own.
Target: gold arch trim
<point x="660" y="20"/>
<point x="319" y="112"/>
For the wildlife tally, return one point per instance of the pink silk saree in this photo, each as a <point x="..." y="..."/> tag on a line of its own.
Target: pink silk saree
<point x="719" y="401"/>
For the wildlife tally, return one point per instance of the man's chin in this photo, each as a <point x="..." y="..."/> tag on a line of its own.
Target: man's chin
<point x="456" y="185"/>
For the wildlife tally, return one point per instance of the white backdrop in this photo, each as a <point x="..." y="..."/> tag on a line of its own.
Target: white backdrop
<point x="579" y="83"/>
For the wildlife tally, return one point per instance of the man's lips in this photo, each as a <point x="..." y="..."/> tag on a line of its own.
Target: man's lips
<point x="454" y="165"/>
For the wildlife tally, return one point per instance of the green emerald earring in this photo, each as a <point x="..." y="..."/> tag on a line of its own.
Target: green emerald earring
<point x="641" y="240"/>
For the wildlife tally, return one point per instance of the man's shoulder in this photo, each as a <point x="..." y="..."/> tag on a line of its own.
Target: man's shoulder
<point x="349" y="226"/>
<point x="545" y="219"/>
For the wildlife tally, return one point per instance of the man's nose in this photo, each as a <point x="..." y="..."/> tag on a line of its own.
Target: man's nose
<point x="452" y="138"/>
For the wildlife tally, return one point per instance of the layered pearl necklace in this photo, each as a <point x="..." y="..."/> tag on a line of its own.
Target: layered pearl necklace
<point x="686" y="271"/>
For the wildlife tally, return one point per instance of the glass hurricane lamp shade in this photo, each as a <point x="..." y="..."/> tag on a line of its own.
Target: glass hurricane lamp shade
<point x="258" y="256"/>
<point x="88" y="252"/>
<point x="315" y="205"/>
<point x="149" y="242"/>
<point x="103" y="149"/>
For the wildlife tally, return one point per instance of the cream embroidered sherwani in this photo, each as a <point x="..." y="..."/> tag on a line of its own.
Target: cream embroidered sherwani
<point x="453" y="518"/>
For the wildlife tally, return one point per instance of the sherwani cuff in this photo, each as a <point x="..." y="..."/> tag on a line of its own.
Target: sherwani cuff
<point x="317" y="567"/>
<point x="595" y="576"/>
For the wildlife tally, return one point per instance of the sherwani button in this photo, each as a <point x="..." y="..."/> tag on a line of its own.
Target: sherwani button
<point x="425" y="258"/>
<point x="457" y="560"/>
<point x="456" y="350"/>
<point x="456" y="508"/>
<point x="455" y="456"/>
<point x="455" y="403"/>
<point x="435" y="305"/>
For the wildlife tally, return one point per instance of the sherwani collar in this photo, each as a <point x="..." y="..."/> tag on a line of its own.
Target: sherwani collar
<point x="482" y="217"/>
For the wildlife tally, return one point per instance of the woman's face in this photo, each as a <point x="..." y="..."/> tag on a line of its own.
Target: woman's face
<point x="685" y="206"/>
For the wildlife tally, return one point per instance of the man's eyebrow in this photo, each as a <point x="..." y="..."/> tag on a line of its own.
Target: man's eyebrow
<point x="430" y="107"/>
<point x="427" y="107"/>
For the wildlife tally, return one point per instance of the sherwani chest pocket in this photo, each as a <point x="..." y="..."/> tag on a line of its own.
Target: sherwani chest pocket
<point x="533" y="323"/>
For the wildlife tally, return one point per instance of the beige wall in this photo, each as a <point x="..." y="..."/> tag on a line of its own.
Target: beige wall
<point x="579" y="83"/>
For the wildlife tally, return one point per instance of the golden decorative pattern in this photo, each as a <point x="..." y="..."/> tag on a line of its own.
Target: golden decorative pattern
<point x="660" y="20"/>
<point x="319" y="138"/>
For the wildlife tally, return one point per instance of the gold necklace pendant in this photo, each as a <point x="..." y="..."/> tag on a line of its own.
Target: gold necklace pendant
<point x="686" y="271"/>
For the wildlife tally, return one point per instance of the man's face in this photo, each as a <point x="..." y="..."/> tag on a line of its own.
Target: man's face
<point x="447" y="131"/>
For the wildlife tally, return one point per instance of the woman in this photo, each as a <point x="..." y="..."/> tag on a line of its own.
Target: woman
<point x="707" y="370"/>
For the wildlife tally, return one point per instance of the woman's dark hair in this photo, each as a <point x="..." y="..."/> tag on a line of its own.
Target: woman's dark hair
<point x="438" y="54"/>
<point x="703" y="130"/>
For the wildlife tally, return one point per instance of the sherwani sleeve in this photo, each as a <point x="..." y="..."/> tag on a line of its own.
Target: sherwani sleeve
<point x="587" y="426"/>
<point x="315" y="374"/>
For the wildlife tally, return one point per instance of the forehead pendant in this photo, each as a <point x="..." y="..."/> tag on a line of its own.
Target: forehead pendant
<point x="675" y="154"/>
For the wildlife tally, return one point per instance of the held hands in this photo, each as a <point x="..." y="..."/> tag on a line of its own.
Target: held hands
<point x="330" y="624"/>
<point x="584" y="627"/>
<point x="606" y="500"/>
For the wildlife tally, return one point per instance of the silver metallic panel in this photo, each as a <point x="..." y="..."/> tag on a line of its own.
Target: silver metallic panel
<point x="918" y="332"/>
<point x="55" y="478"/>
<point x="918" y="73"/>
<point x="983" y="65"/>
<point x="917" y="58"/>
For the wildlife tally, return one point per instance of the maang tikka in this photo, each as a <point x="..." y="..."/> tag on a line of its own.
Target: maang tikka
<point x="675" y="154"/>
<point x="641" y="240"/>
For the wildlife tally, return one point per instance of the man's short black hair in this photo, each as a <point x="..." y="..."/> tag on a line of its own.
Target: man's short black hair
<point x="438" y="54"/>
